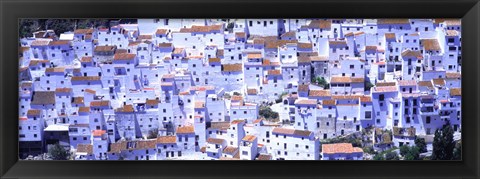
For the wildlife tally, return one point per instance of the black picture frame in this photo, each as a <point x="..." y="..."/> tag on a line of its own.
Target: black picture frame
<point x="467" y="10"/>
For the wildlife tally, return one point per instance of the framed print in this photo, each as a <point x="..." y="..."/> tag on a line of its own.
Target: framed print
<point x="289" y="89"/>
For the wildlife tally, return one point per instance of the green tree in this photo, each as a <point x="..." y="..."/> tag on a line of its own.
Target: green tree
<point x="404" y="149"/>
<point x="267" y="113"/>
<point x="57" y="152"/>
<point x="457" y="151"/>
<point x="152" y="134"/>
<point x="379" y="157"/>
<point x="60" y="25"/>
<point x="391" y="155"/>
<point x="443" y="143"/>
<point x="368" y="85"/>
<point x="28" y="26"/>
<point x="280" y="97"/>
<point x="410" y="152"/>
<point x="227" y="96"/>
<point x="421" y="144"/>
<point x="413" y="153"/>
<point x="322" y="82"/>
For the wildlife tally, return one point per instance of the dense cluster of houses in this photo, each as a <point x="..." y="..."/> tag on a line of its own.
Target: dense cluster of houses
<point x="192" y="89"/>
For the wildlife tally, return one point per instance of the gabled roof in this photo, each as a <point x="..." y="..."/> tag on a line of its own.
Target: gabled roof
<point x="340" y="148"/>
<point x="212" y="140"/>
<point x="43" y="97"/>
<point x="185" y="130"/>
<point x="167" y="139"/>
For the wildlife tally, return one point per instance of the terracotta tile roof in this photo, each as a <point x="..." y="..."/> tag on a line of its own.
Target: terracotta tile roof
<point x="303" y="88"/>
<point x="439" y="82"/>
<point x="385" y="84"/>
<point x="390" y="36"/>
<point x="26" y="84"/>
<point x="167" y="139"/>
<point x="304" y="60"/>
<point x="117" y="147"/>
<point x="84" y="109"/>
<point x="252" y="91"/>
<point x="99" y="103"/>
<point x="306" y="102"/>
<point x="55" y="70"/>
<point x="451" y="33"/>
<point x="453" y="75"/>
<point x="232" y="67"/>
<point x="236" y="98"/>
<point x="199" y="105"/>
<point x="202" y="88"/>
<point x="230" y="150"/>
<point x="425" y="83"/>
<point x="228" y="158"/>
<point x="305" y="45"/>
<point x="145" y="37"/>
<point x="254" y="55"/>
<point x="40" y="43"/>
<point x="407" y="83"/>
<point x="274" y="72"/>
<point x="161" y="31"/>
<point x="215" y="140"/>
<point x="214" y="60"/>
<point x="146" y="144"/>
<point x="339" y="148"/>
<point x="392" y="21"/>
<point x="63" y="90"/>
<point x="453" y="22"/>
<point x="124" y="56"/>
<point x="385" y="89"/>
<point x="36" y="62"/>
<point x="455" y="91"/>
<point x="86" y="59"/>
<point x="83" y="31"/>
<point x="201" y="29"/>
<point x="90" y="91"/>
<point x="165" y="44"/>
<point x="289" y="34"/>
<point x="264" y="157"/>
<point x="105" y="48"/>
<point x="322" y="24"/>
<point x="286" y="131"/>
<point x="85" y="148"/>
<point x="249" y="138"/>
<point x="337" y="42"/>
<point x="318" y="58"/>
<point x="134" y="43"/>
<point x="125" y="109"/>
<point x="329" y="102"/>
<point x="274" y="43"/>
<point x="85" y="78"/>
<point x="220" y="125"/>
<point x="237" y="121"/>
<point x="240" y="34"/>
<point x="319" y="93"/>
<point x="98" y="133"/>
<point x="430" y="44"/>
<point x="365" y="99"/>
<point x="357" y="80"/>
<point x="340" y="79"/>
<point x="185" y="130"/>
<point x="152" y="102"/>
<point x="34" y="112"/>
<point x="43" y="98"/>
<point x="59" y="42"/>
<point x="411" y="53"/>
<point x="78" y="100"/>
